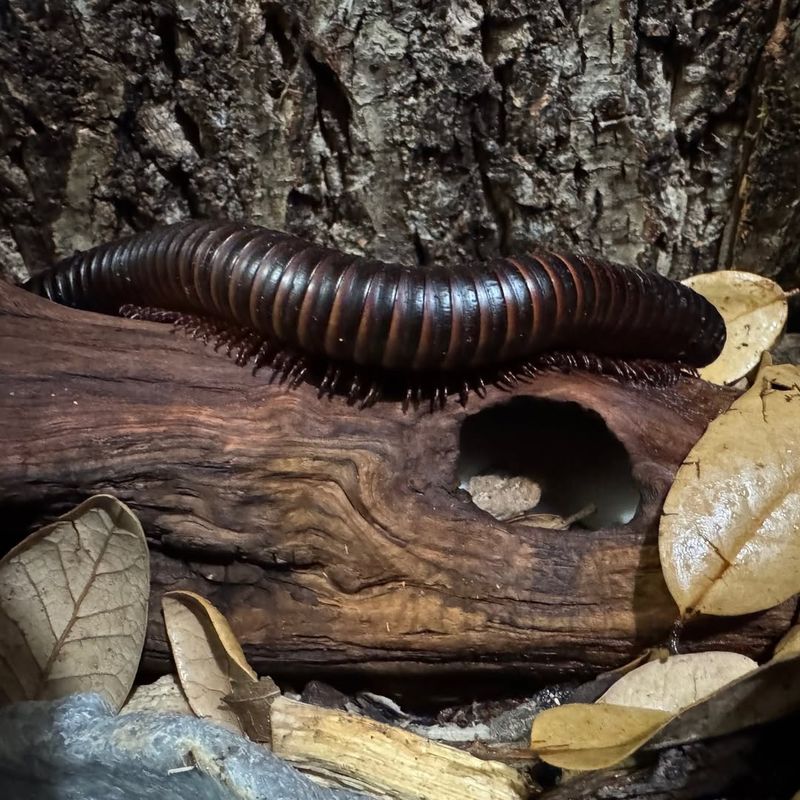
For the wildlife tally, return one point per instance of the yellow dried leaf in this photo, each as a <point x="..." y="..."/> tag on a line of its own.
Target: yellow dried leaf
<point x="679" y="681"/>
<point x="789" y="645"/>
<point x="584" y="737"/>
<point x="581" y="737"/>
<point x="770" y="692"/>
<point x="754" y="309"/>
<point x="208" y="657"/>
<point x="729" y="536"/>
<point x="73" y="606"/>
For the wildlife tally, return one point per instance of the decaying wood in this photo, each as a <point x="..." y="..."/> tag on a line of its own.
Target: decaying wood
<point x="336" y="539"/>
<point x="355" y="752"/>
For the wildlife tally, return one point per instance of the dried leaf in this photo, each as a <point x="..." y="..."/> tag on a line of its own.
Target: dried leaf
<point x="768" y="693"/>
<point x="360" y="753"/>
<point x="73" y="606"/>
<point x="552" y="521"/>
<point x="164" y="696"/>
<point x="251" y="702"/>
<point x="789" y="645"/>
<point x="678" y="682"/>
<point x="584" y="737"/>
<point x="592" y="690"/>
<point x="504" y="496"/>
<point x="754" y="309"/>
<point x="208" y="657"/>
<point x="729" y="537"/>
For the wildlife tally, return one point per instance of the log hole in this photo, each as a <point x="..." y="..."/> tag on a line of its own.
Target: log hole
<point x="557" y="453"/>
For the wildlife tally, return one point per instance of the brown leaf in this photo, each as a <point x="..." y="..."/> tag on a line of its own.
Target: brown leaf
<point x="251" y="702"/>
<point x="679" y="681"/>
<point x="754" y="309"/>
<point x="73" y="606"/>
<point x="729" y="536"/>
<point x="208" y="657"/>
<point x="789" y="645"/>
<point x="584" y="737"/>
<point x="590" y="691"/>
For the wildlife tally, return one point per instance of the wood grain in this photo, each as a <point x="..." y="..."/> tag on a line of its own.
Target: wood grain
<point x="337" y="540"/>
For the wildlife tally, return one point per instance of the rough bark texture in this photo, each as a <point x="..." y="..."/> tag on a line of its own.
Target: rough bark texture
<point x="659" y="132"/>
<point x="338" y="539"/>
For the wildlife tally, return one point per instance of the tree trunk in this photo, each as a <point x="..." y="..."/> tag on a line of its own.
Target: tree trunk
<point x="661" y="133"/>
<point x="338" y="539"/>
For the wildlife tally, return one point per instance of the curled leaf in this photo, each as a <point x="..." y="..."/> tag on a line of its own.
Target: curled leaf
<point x="208" y="657"/>
<point x="729" y="537"/>
<point x="754" y="309"/>
<point x="73" y="606"/>
<point x="584" y="737"/>
<point x="679" y="681"/>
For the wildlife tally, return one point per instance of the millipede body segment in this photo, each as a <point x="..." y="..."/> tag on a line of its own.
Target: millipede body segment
<point x="369" y="326"/>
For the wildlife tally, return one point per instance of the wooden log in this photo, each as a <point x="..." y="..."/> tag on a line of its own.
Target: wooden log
<point x="337" y="539"/>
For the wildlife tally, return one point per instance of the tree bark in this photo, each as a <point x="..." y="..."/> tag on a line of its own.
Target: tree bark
<point x="337" y="539"/>
<point x="660" y="133"/>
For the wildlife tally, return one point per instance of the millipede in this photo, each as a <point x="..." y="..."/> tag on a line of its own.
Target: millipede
<point x="370" y="329"/>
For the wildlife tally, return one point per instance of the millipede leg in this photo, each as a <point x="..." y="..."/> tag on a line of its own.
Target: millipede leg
<point x="355" y="389"/>
<point x="436" y="398"/>
<point x="337" y="375"/>
<point x="636" y="371"/>
<point x="264" y="356"/>
<point x="291" y="369"/>
<point x="227" y="337"/>
<point x="287" y="368"/>
<point x="325" y="383"/>
<point x="298" y="373"/>
<point x="150" y="314"/>
<point x="249" y="347"/>
<point x="371" y="396"/>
